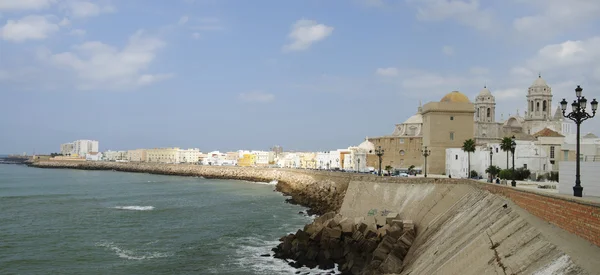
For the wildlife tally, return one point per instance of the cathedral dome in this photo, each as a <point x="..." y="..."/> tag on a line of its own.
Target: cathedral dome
<point x="539" y="82"/>
<point x="367" y="145"/>
<point x="485" y="92"/>
<point x="455" y="97"/>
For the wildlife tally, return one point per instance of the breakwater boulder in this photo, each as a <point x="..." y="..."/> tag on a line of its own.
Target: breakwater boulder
<point x="371" y="245"/>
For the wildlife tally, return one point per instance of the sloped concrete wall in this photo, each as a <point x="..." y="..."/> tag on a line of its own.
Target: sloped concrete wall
<point x="463" y="229"/>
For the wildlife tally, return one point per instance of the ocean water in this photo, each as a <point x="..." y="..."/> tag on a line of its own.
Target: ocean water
<point x="103" y="222"/>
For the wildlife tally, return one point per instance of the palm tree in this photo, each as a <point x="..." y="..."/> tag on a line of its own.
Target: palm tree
<point x="469" y="147"/>
<point x="389" y="169"/>
<point x="505" y="145"/>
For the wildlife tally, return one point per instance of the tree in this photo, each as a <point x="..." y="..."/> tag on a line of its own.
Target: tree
<point x="389" y="169"/>
<point x="506" y="146"/>
<point x="469" y="147"/>
<point x="493" y="170"/>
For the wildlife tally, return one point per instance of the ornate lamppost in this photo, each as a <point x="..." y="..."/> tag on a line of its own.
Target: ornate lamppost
<point x="379" y="153"/>
<point x="578" y="115"/>
<point x="426" y="153"/>
<point x="358" y="169"/>
<point x="513" y="146"/>
<point x="491" y="155"/>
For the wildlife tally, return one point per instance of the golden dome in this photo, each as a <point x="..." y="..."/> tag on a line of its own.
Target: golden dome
<point x="455" y="96"/>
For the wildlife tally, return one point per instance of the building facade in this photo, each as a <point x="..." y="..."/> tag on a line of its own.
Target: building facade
<point x="162" y="155"/>
<point x="138" y="155"/>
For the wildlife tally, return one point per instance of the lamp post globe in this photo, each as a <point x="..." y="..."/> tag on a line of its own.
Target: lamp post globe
<point x="578" y="115"/>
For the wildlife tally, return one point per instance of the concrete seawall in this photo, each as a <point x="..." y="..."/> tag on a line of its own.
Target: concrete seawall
<point x="463" y="227"/>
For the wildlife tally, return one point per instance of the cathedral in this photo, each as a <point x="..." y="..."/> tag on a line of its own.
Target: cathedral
<point x="538" y="116"/>
<point x="454" y="119"/>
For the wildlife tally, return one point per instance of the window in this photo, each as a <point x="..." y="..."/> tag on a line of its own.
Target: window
<point x="451" y="135"/>
<point x="531" y="110"/>
<point x="402" y="152"/>
<point x="565" y="155"/>
<point x="496" y="149"/>
<point x="551" y="152"/>
<point x="544" y="106"/>
<point x="401" y="141"/>
<point x="525" y="165"/>
<point x="488" y="112"/>
<point x="456" y="157"/>
<point x="537" y="106"/>
<point x="451" y="118"/>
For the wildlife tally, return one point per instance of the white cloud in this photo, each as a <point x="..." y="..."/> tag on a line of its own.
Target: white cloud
<point x="466" y="12"/>
<point x="448" y="50"/>
<point x="256" y="97"/>
<point x="77" y="32"/>
<point x="83" y="9"/>
<point x="196" y="35"/>
<point x="15" y="5"/>
<point x="207" y="24"/>
<point x="65" y="22"/>
<point x="555" y="16"/>
<point x="305" y="33"/>
<point x="33" y="27"/>
<point x="100" y="66"/>
<point x="183" y="20"/>
<point x="391" y="71"/>
<point x="148" y="79"/>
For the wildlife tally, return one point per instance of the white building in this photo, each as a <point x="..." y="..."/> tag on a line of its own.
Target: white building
<point x="528" y="154"/>
<point x="79" y="147"/>
<point x="93" y="156"/>
<point x="288" y="160"/>
<point x="263" y="158"/>
<point x="189" y="155"/>
<point x="219" y="159"/>
<point x="67" y="148"/>
<point x="115" y="155"/>
<point x="84" y="146"/>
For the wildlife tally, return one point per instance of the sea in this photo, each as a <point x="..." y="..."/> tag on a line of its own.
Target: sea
<point x="59" y="221"/>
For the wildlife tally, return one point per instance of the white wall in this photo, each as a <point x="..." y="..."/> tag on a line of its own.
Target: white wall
<point x="590" y="173"/>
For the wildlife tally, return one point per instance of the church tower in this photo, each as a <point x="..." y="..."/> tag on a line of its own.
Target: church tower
<point x="486" y="128"/>
<point x="485" y="106"/>
<point x="539" y="101"/>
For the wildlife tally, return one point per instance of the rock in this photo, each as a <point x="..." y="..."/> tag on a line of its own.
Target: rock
<point x="325" y="217"/>
<point x="370" y="220"/>
<point x="332" y="223"/>
<point x="390" y="217"/>
<point x="380" y="254"/>
<point x="317" y="235"/>
<point x="266" y="255"/>
<point x="370" y="233"/>
<point x="362" y="227"/>
<point x="333" y="233"/>
<point x="408" y="225"/>
<point x="395" y="231"/>
<point x="380" y="221"/>
<point x="381" y="232"/>
<point x="399" y="223"/>
<point x="358" y="220"/>
<point x="391" y="264"/>
<point x="347" y="225"/>
<point x="406" y="239"/>
<point x="399" y="251"/>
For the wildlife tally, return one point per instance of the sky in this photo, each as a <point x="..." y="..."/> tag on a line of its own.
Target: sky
<point x="303" y="74"/>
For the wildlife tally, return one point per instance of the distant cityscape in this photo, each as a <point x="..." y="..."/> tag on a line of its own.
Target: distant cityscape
<point x="434" y="137"/>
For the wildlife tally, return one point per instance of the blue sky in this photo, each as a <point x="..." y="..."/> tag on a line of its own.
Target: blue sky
<point x="307" y="75"/>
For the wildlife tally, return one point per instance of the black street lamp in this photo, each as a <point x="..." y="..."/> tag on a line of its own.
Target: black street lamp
<point x="513" y="146"/>
<point x="491" y="155"/>
<point x="578" y="115"/>
<point x="379" y="153"/>
<point x="358" y="168"/>
<point x="426" y="153"/>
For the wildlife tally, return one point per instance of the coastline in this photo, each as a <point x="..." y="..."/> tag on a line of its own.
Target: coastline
<point x="320" y="192"/>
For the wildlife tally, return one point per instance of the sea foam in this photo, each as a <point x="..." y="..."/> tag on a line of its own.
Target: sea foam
<point x="135" y="207"/>
<point x="130" y="254"/>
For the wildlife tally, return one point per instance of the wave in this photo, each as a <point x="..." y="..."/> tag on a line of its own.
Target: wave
<point x="250" y="249"/>
<point x="273" y="182"/>
<point x="135" y="207"/>
<point x="130" y="254"/>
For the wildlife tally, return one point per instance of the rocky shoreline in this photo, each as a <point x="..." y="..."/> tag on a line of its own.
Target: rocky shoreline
<point x="372" y="246"/>
<point x="321" y="192"/>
